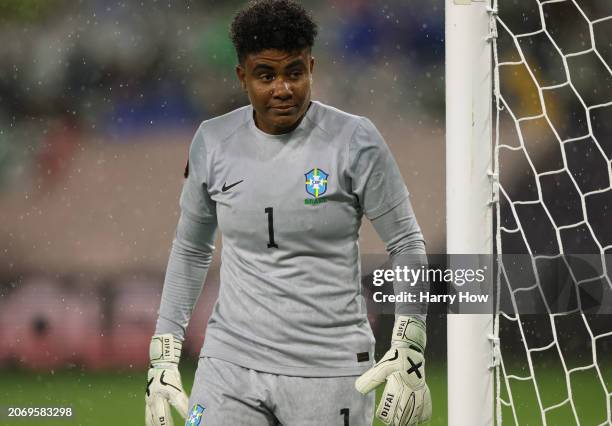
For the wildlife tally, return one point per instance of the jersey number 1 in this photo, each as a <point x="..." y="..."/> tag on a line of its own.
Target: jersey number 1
<point x="345" y="413"/>
<point x="270" y="212"/>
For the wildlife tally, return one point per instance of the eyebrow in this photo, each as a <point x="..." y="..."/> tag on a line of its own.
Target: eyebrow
<point x="295" y="63"/>
<point x="266" y="67"/>
<point x="262" y="67"/>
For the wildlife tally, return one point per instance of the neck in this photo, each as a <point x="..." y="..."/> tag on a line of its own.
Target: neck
<point x="282" y="130"/>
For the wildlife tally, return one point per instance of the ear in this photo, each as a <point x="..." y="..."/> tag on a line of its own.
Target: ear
<point x="241" y="74"/>
<point x="311" y="65"/>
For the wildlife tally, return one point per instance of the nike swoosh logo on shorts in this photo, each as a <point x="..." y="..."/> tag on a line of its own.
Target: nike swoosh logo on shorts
<point x="226" y="187"/>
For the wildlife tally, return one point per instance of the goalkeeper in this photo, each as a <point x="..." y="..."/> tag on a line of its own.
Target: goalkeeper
<point x="287" y="180"/>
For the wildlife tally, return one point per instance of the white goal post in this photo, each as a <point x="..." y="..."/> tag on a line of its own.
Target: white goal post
<point x="541" y="162"/>
<point x="468" y="201"/>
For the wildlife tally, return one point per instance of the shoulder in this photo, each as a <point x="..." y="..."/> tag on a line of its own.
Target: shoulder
<point x="221" y="127"/>
<point x="212" y="132"/>
<point x="337" y="122"/>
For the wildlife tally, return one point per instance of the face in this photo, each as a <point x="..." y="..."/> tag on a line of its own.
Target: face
<point x="278" y="84"/>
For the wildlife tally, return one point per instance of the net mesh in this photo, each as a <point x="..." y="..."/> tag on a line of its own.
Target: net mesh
<point x="553" y="152"/>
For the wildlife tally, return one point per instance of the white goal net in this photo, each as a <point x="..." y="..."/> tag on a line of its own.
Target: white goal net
<point x="553" y="152"/>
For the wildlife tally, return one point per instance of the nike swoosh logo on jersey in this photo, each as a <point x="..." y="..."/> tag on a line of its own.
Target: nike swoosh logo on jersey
<point x="226" y="187"/>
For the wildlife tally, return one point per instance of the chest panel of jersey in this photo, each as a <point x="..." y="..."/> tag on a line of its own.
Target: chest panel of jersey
<point x="271" y="214"/>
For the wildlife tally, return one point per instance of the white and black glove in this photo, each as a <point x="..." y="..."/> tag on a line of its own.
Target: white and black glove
<point x="164" y="385"/>
<point x="406" y="399"/>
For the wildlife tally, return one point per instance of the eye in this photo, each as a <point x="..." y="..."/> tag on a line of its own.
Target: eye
<point x="266" y="77"/>
<point x="296" y="74"/>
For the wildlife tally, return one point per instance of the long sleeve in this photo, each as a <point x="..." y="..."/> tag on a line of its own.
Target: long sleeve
<point x="399" y="230"/>
<point x="383" y="197"/>
<point x="190" y="258"/>
<point x="192" y="248"/>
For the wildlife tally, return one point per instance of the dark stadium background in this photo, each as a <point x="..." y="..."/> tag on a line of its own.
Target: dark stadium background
<point x="98" y="103"/>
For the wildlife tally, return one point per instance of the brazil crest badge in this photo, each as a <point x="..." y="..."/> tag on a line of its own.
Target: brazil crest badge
<point x="195" y="418"/>
<point x="316" y="186"/>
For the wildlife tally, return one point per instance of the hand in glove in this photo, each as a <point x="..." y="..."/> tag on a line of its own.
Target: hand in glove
<point x="164" y="385"/>
<point x="406" y="399"/>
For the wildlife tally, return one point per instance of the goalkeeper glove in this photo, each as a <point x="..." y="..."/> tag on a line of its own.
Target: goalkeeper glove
<point x="164" y="382"/>
<point x="406" y="399"/>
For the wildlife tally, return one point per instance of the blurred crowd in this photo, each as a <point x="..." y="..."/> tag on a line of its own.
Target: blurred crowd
<point x="117" y="68"/>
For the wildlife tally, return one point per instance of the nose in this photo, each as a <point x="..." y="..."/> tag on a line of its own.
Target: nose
<point x="281" y="89"/>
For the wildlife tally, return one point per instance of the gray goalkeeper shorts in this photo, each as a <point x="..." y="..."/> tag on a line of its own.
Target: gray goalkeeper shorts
<point x="226" y="394"/>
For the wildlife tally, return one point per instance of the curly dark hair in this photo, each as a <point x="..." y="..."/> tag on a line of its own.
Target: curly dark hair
<point x="272" y="24"/>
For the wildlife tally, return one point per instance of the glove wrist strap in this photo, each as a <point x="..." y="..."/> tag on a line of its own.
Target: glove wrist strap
<point x="165" y="349"/>
<point x="408" y="332"/>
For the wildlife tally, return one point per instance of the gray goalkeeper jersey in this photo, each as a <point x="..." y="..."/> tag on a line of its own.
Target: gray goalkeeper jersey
<point x="289" y="208"/>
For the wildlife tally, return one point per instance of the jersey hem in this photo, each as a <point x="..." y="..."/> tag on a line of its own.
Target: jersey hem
<point x="305" y="371"/>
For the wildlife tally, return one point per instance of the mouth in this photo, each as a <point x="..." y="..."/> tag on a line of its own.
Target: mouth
<point x="284" y="108"/>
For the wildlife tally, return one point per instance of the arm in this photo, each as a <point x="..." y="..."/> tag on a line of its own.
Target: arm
<point x="384" y="199"/>
<point x="399" y="230"/>
<point x="192" y="248"/>
<point x="403" y="366"/>
<point x="190" y="257"/>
